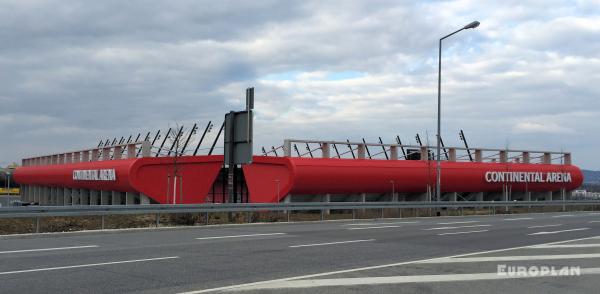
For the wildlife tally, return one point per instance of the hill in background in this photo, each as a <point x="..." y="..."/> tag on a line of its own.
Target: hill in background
<point x="591" y="176"/>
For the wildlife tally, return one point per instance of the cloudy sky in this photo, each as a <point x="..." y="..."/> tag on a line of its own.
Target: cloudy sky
<point x="75" y="72"/>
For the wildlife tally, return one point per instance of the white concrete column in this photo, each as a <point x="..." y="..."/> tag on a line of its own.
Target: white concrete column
<point x="144" y="200"/>
<point x="60" y="194"/>
<point x="68" y="196"/>
<point x="84" y="197"/>
<point x="325" y="150"/>
<point x="105" y="197"/>
<point x="478" y="155"/>
<point x="479" y="196"/>
<point x="95" y="154"/>
<point x="117" y="198"/>
<point x="94" y="197"/>
<point x="75" y="197"/>
<point x="106" y="153"/>
<point x="131" y="151"/>
<point x="85" y="156"/>
<point x="547" y="158"/>
<point x="452" y="196"/>
<point x="424" y="153"/>
<point x="118" y="152"/>
<point x="361" y="151"/>
<point x="130" y="198"/>
<point x="503" y="156"/>
<point x="452" y="154"/>
<point x="146" y="149"/>
<point x="393" y="152"/>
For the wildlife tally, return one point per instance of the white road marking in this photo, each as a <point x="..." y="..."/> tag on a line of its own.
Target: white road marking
<point x="513" y="258"/>
<point x="331" y="243"/>
<point x="563" y="215"/>
<point x="544" y="226"/>
<point x="519" y="218"/>
<point x="457" y="227"/>
<point x="85" y="265"/>
<point x="238" y="236"/>
<point x="556" y="232"/>
<point x="567" y="246"/>
<point x="452" y="223"/>
<point x="466" y="232"/>
<point x="594" y="222"/>
<point x="373" y="224"/>
<point x="232" y="287"/>
<point x="48" y="249"/>
<point x="397" y="280"/>
<point x="368" y="228"/>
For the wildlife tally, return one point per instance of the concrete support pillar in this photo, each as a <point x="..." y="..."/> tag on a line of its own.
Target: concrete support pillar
<point x="147" y="149"/>
<point x="130" y="198"/>
<point x="452" y="196"/>
<point x="549" y="196"/>
<point x="325" y="150"/>
<point x="424" y="153"/>
<point x="105" y="197"/>
<point x="68" y="196"/>
<point x="131" y="151"/>
<point x="144" y="200"/>
<point x="117" y="152"/>
<point x="527" y="196"/>
<point x="117" y="198"/>
<point x="95" y="154"/>
<point x="393" y="152"/>
<point x="479" y="196"/>
<point x="503" y="156"/>
<point x="361" y="151"/>
<point x="452" y="154"/>
<point x="36" y="194"/>
<point x="547" y="158"/>
<point x="84" y="197"/>
<point x="478" y="155"/>
<point x="94" y="197"/>
<point x="85" y="156"/>
<point x="106" y="153"/>
<point x="363" y="197"/>
<point x="75" y="197"/>
<point x="60" y="196"/>
<point x="287" y="148"/>
<point x="47" y="196"/>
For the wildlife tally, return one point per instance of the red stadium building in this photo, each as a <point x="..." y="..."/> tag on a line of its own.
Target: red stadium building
<point x="133" y="174"/>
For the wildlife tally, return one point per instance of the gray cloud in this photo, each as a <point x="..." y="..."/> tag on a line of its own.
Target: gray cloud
<point x="74" y="72"/>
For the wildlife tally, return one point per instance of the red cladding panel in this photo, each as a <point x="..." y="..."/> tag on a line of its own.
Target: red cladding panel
<point x="148" y="175"/>
<point x="348" y="176"/>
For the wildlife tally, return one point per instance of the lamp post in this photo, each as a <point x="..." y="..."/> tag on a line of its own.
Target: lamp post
<point x="438" y="192"/>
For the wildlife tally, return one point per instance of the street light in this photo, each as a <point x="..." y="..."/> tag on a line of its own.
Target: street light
<point x="438" y="183"/>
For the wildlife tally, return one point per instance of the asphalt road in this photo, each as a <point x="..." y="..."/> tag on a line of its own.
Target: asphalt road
<point x="409" y="255"/>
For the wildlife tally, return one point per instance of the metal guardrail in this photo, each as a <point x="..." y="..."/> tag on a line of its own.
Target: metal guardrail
<point x="53" y="211"/>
